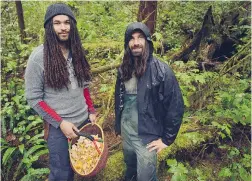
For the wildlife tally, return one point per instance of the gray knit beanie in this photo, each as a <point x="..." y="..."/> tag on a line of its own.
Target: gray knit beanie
<point x="57" y="9"/>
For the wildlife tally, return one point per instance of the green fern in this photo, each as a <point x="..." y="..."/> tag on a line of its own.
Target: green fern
<point x="7" y="155"/>
<point x="42" y="152"/>
<point x="32" y="158"/>
<point x="32" y="124"/>
<point x="34" y="174"/>
<point x="33" y="149"/>
<point x="34" y="140"/>
<point x="8" y="169"/>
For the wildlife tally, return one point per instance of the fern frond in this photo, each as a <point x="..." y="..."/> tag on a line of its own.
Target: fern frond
<point x="7" y="154"/>
<point x="34" y="174"/>
<point x="41" y="152"/>
<point x="35" y="138"/>
<point x="32" y="124"/>
<point x="33" y="149"/>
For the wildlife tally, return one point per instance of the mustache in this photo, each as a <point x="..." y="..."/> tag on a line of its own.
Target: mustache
<point x="137" y="46"/>
<point x="64" y="32"/>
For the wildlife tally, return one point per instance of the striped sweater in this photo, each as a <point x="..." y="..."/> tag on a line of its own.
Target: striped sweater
<point x="72" y="104"/>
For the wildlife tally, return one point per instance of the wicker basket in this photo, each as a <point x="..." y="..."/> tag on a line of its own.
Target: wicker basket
<point x="101" y="163"/>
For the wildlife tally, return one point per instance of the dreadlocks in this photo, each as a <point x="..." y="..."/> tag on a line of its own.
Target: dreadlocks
<point x="137" y="66"/>
<point x="56" y="72"/>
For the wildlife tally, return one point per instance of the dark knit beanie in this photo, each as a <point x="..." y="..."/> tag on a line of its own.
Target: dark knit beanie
<point x="58" y="9"/>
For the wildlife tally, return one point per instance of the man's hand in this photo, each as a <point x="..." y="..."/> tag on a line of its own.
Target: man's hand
<point x="156" y="145"/>
<point x="67" y="128"/>
<point x="92" y="118"/>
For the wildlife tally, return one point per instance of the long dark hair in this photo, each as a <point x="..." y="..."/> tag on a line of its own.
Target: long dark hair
<point x="56" y="72"/>
<point x="138" y="66"/>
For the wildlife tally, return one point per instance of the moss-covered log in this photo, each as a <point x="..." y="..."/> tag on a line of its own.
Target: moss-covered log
<point x="104" y="68"/>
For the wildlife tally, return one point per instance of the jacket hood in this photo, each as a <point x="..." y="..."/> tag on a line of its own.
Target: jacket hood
<point x="137" y="26"/>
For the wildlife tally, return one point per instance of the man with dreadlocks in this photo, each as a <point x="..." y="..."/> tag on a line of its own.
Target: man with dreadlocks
<point x="148" y="104"/>
<point x="56" y="85"/>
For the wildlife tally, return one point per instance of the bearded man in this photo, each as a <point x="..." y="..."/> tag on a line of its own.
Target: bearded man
<point x="148" y="104"/>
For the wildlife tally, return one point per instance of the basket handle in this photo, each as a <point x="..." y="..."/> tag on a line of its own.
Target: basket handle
<point x="91" y="138"/>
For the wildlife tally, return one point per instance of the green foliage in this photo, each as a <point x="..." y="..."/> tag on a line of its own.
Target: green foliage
<point x="234" y="104"/>
<point x="23" y="129"/>
<point x="30" y="156"/>
<point x="200" y="175"/>
<point x="211" y="99"/>
<point x="178" y="170"/>
<point x="35" y="174"/>
<point x="192" y="81"/>
<point x="7" y="154"/>
<point x="239" y="165"/>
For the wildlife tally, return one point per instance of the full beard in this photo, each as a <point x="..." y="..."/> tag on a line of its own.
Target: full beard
<point x="140" y="61"/>
<point x="139" y="65"/>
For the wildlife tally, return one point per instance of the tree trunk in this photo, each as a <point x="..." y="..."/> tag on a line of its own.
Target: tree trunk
<point x="147" y="13"/>
<point x="21" y="24"/>
<point x="207" y="24"/>
<point x="214" y="42"/>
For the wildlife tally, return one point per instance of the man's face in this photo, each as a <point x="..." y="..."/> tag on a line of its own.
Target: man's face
<point x="137" y="43"/>
<point x="61" y="26"/>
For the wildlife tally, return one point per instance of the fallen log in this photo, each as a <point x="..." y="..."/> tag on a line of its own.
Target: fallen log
<point x="104" y="68"/>
<point x="108" y="67"/>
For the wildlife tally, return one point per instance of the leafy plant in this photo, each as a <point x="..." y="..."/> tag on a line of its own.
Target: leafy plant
<point x="178" y="170"/>
<point x="239" y="167"/>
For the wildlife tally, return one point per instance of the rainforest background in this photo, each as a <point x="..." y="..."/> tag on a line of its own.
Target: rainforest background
<point x="207" y="44"/>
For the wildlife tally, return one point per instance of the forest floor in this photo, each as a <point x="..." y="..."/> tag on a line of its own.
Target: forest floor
<point x="209" y="158"/>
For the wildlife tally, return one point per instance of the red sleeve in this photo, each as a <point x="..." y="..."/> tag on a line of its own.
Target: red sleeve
<point x="89" y="102"/>
<point x="49" y="111"/>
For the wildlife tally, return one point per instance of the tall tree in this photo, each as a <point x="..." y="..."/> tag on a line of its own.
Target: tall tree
<point x="147" y="13"/>
<point x="21" y="24"/>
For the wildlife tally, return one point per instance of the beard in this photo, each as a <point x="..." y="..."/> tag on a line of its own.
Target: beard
<point x="62" y="39"/>
<point x="134" y="62"/>
<point x="137" y="51"/>
<point x="140" y="59"/>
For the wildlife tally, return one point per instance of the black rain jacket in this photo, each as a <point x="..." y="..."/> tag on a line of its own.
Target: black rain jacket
<point x="159" y="101"/>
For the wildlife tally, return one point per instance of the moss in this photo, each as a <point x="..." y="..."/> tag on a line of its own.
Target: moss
<point x="114" y="169"/>
<point x="104" y="45"/>
<point x="184" y="140"/>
